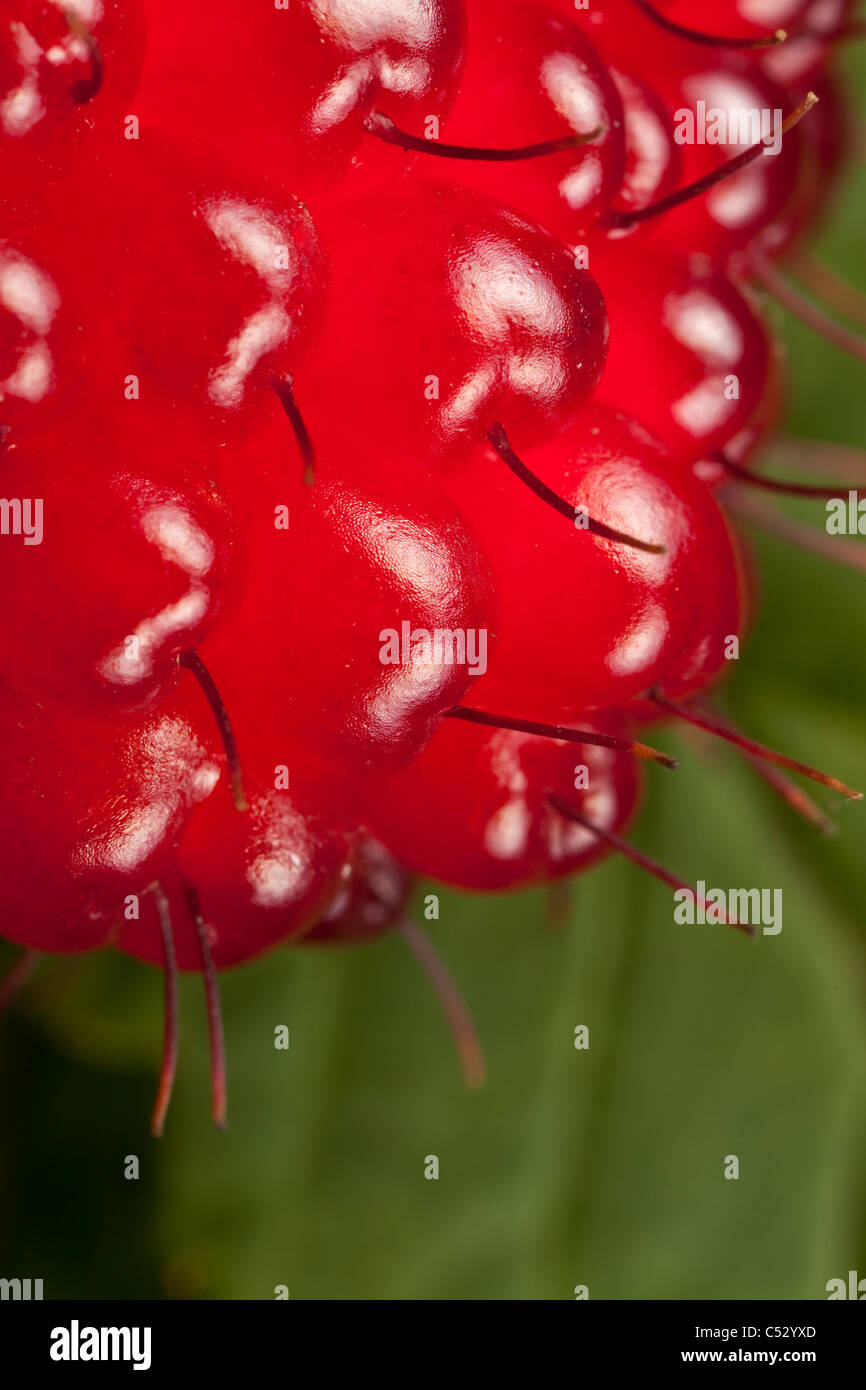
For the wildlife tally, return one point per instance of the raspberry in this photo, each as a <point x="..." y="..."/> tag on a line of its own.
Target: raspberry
<point x="699" y="84"/>
<point x="653" y="160"/>
<point x="470" y="315"/>
<point x="736" y="20"/>
<point x="166" y="537"/>
<point x="810" y="46"/>
<point x="564" y="647"/>
<point x="371" y="897"/>
<point x="66" y="72"/>
<point x="488" y="793"/>
<point x="259" y="878"/>
<point x="313" y="73"/>
<point x="93" y="810"/>
<point x="43" y="364"/>
<point x="211" y="287"/>
<point x="533" y="76"/>
<point x="372" y="379"/>
<point x="690" y="354"/>
<point x="395" y="558"/>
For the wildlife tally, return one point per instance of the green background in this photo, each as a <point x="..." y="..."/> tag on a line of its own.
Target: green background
<point x="601" y="1167"/>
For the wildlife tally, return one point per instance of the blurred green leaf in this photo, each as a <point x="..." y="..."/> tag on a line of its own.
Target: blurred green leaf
<point x="602" y="1167"/>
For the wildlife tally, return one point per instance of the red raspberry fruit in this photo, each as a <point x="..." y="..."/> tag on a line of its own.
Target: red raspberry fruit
<point x="44" y="363"/>
<point x="350" y="582"/>
<point x="311" y="72"/>
<point x="137" y="555"/>
<point x="533" y="77"/>
<point x="585" y="620"/>
<point x="461" y="314"/>
<point x="371" y="898"/>
<point x="258" y="877"/>
<point x="67" y="68"/>
<point x="690" y="355"/>
<point x="209" y="287"/>
<point x="487" y="793"/>
<point x="92" y="811"/>
<point x="735" y="19"/>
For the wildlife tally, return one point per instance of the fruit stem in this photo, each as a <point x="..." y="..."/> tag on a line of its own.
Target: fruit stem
<point x="803" y="308"/>
<point x="285" y="393"/>
<point x="18" y="975"/>
<point x="192" y="662"/>
<point x="745" y="475"/>
<point x="170" y="1014"/>
<point x="214" y="1012"/>
<point x="709" y="40"/>
<point x="470" y="1053"/>
<point x="749" y="746"/>
<point x="838" y="549"/>
<point x="380" y="125"/>
<point x="499" y="439"/>
<point x="617" y="220"/>
<point x="638" y="857"/>
<point x="561" y="732"/>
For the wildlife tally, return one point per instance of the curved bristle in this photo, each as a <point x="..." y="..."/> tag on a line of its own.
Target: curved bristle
<point x="840" y="550"/>
<point x="193" y="663"/>
<point x="799" y="304"/>
<point x="460" y="1022"/>
<point x="699" y="36"/>
<point x="712" y="725"/>
<point x="643" y="861"/>
<point x="380" y="125"/>
<point x="499" y="439"/>
<point x="616" y="220"/>
<point x="563" y="734"/>
<point x="214" y="1012"/>
<point x="170" y="1015"/>
<point x="788" y="487"/>
<point x="826" y="285"/>
<point x="284" y="390"/>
